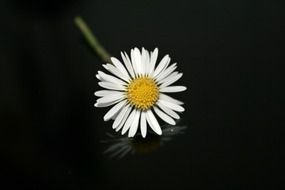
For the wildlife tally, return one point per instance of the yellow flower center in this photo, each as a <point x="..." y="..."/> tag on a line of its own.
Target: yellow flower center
<point x="142" y="92"/>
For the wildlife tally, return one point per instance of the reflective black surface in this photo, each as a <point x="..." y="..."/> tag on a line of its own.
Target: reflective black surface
<point x="230" y="52"/>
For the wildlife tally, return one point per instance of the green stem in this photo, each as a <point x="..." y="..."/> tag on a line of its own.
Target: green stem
<point x="91" y="39"/>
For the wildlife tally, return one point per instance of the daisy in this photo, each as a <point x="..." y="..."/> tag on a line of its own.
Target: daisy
<point x="137" y="89"/>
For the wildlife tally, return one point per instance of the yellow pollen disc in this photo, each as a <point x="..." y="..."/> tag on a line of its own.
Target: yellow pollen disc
<point x="142" y="92"/>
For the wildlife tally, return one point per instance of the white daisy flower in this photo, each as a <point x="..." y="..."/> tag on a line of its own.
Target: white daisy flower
<point x="137" y="89"/>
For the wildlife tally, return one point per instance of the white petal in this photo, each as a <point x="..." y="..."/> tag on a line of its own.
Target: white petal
<point x="101" y="105"/>
<point x="120" y="66"/>
<point x="137" y="60"/>
<point x="143" y="124"/>
<point x="110" y="98"/>
<point x="153" y="58"/>
<point x="166" y="72"/>
<point x="168" y="77"/>
<point x="114" y="110"/>
<point x="111" y="86"/>
<point x="172" y="106"/>
<point x="170" y="112"/>
<point x="101" y="93"/>
<point x="120" y="117"/>
<point x="162" y="65"/>
<point x="128" y="64"/>
<point x="134" y="126"/>
<point x="164" y="117"/>
<point x="173" y="89"/>
<point x="171" y="80"/>
<point x="153" y="122"/>
<point x="169" y="99"/>
<point x="129" y="121"/>
<point x="110" y="78"/>
<point x="145" y="61"/>
<point x="98" y="77"/>
<point x="126" y="116"/>
<point x="134" y="63"/>
<point x="116" y="72"/>
<point x="116" y="114"/>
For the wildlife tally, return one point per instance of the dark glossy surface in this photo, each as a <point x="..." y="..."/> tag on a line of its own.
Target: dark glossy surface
<point x="229" y="136"/>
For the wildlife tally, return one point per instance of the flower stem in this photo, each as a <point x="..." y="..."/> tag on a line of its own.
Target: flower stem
<point x="91" y="39"/>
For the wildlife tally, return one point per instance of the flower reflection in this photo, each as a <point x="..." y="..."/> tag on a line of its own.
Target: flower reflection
<point x="121" y="146"/>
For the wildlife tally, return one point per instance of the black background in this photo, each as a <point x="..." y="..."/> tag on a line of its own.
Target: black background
<point x="230" y="52"/>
